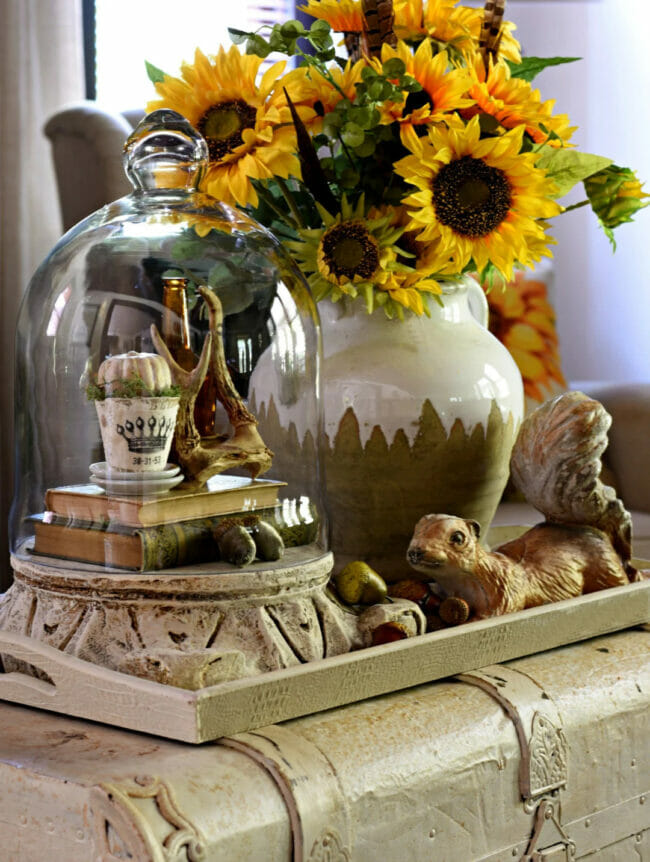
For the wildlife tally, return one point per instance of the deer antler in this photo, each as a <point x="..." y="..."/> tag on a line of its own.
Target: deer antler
<point x="190" y="383"/>
<point x="200" y="457"/>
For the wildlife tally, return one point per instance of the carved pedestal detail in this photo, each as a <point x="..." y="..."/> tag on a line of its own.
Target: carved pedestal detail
<point x="191" y="629"/>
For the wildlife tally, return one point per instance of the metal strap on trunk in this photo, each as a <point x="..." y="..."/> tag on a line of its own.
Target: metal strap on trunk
<point x="544" y="756"/>
<point x="543" y="765"/>
<point x="318" y="811"/>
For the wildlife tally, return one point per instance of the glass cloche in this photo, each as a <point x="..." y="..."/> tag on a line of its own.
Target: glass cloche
<point x="179" y="329"/>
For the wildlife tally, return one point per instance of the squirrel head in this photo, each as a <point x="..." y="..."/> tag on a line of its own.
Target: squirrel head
<point x="446" y="549"/>
<point x="443" y="545"/>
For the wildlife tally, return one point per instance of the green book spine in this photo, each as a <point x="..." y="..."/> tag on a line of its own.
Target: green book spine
<point x="190" y="542"/>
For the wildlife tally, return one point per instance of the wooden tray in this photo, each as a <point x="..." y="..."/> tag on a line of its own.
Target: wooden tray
<point x="78" y="688"/>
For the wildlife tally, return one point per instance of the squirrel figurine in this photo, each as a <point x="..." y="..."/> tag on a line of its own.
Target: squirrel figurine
<point x="584" y="545"/>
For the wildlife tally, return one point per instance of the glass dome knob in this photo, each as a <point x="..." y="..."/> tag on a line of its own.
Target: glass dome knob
<point x="165" y="152"/>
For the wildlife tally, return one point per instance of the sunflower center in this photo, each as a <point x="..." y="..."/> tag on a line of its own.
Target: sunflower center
<point x="349" y="251"/>
<point x="222" y="125"/>
<point x="470" y="197"/>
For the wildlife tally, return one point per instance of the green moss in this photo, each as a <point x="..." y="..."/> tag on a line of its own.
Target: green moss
<point x="129" y="387"/>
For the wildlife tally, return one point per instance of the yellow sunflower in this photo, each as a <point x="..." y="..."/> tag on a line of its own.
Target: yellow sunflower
<point x="343" y="16"/>
<point x="513" y="102"/>
<point x="348" y="253"/>
<point x="615" y="194"/>
<point x="523" y="319"/>
<point x="478" y="200"/>
<point x="417" y="268"/>
<point x="247" y="125"/>
<point x="445" y="21"/>
<point x="188" y="219"/>
<point x="442" y="88"/>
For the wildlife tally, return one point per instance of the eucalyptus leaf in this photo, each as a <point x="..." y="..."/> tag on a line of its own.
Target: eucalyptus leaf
<point x="375" y="90"/>
<point x="320" y="26"/>
<point x="219" y="274"/>
<point x="319" y="40"/>
<point x="489" y="124"/>
<point x="278" y="42"/>
<point x="530" y="67"/>
<point x="186" y="249"/>
<point x="257" y="45"/>
<point x="567" y="167"/>
<point x="352" y="135"/>
<point x="291" y="29"/>
<point x="364" y="116"/>
<point x="367" y="148"/>
<point x="349" y="179"/>
<point x="393" y="68"/>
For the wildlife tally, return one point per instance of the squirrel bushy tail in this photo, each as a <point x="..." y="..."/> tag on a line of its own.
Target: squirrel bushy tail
<point x="556" y="464"/>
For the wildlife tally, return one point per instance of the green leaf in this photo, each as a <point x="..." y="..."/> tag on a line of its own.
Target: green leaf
<point x="367" y="148"/>
<point x="567" y="167"/>
<point x="320" y="25"/>
<point x="237" y="36"/>
<point x="364" y="116"/>
<point x="278" y="42"/>
<point x="393" y="68"/>
<point x="332" y="122"/>
<point x="219" y="274"/>
<point x="320" y="41"/>
<point x="292" y="29"/>
<point x="532" y="66"/>
<point x="376" y="90"/>
<point x="186" y="249"/>
<point x="319" y="35"/>
<point x="257" y="45"/>
<point x="352" y="135"/>
<point x="156" y="75"/>
<point x="410" y="84"/>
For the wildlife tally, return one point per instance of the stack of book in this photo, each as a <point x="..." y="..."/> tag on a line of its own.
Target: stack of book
<point x="83" y="523"/>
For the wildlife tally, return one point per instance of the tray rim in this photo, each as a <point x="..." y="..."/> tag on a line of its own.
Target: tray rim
<point x="85" y="690"/>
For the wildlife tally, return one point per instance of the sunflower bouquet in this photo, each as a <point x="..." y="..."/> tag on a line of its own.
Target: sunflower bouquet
<point x="405" y="147"/>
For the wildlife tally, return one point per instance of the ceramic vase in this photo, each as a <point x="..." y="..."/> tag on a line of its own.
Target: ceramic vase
<point x="137" y="432"/>
<point x="420" y="416"/>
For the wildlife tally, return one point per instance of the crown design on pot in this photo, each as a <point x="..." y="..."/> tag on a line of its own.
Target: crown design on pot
<point x="146" y="437"/>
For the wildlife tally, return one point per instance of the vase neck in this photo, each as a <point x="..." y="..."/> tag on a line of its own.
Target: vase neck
<point x="453" y="307"/>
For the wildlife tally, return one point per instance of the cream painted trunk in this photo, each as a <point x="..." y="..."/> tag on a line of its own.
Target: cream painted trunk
<point x="543" y="758"/>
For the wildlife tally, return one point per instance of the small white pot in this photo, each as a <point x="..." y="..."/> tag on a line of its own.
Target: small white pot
<point x="137" y="433"/>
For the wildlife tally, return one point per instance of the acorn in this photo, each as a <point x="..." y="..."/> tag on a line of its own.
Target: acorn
<point x="235" y="543"/>
<point x="357" y="583"/>
<point x="267" y="540"/>
<point x="453" y="611"/>
<point x="418" y="592"/>
<point x="388" y="633"/>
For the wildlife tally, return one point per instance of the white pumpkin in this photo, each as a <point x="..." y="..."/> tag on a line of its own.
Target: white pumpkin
<point x="151" y="368"/>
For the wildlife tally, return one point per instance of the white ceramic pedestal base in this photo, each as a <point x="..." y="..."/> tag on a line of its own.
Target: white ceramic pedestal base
<point x="191" y="627"/>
